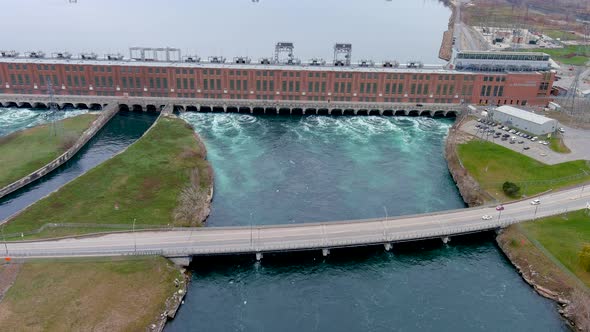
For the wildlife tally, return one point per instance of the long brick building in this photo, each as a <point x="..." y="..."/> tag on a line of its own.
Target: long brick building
<point x="470" y="77"/>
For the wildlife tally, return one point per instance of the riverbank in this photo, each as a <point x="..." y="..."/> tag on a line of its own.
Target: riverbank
<point x="162" y="180"/>
<point x="25" y="151"/>
<point x="112" y="294"/>
<point x="553" y="267"/>
<point x="536" y="249"/>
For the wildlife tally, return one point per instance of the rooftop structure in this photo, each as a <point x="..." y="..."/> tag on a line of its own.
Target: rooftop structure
<point x="501" y="61"/>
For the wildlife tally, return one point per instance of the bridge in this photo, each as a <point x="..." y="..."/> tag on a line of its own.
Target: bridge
<point x="247" y="106"/>
<point x="182" y="244"/>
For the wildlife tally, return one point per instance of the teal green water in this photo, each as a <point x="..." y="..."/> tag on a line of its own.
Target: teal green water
<point x="318" y="168"/>
<point x="298" y="169"/>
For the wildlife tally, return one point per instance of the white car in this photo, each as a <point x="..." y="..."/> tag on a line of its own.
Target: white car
<point x="535" y="202"/>
<point x="486" y="217"/>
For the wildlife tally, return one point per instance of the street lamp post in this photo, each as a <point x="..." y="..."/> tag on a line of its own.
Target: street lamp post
<point x="536" y="208"/>
<point x="251" y="230"/>
<point x="134" y="238"/>
<point x="5" y="244"/>
<point x="384" y="226"/>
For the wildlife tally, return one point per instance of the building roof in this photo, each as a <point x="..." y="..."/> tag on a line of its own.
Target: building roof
<point x="522" y="114"/>
<point x="403" y="68"/>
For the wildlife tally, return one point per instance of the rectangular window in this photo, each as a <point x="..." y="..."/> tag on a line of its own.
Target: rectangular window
<point x="245" y="85"/>
<point x="239" y="83"/>
<point x="400" y="88"/>
<point x="387" y="88"/>
<point x="124" y="81"/>
<point x="413" y="88"/>
<point x="158" y="83"/>
<point x="451" y="89"/>
<point x="348" y="87"/>
<point x="258" y="82"/>
<point x="316" y="87"/>
<point x="374" y="87"/>
<point x="165" y="82"/>
<point x="419" y="91"/>
<point x="425" y="89"/>
<point x="231" y="84"/>
<point x="445" y="87"/>
<point x="501" y="91"/>
<point x="483" y="90"/>
<point x="185" y="83"/>
<point x="362" y="88"/>
<point x="336" y="86"/>
<point x="310" y="86"/>
<point x="488" y="90"/>
<point x="76" y="81"/>
<point x="151" y="82"/>
<point x="178" y="83"/>
<point x="96" y="82"/>
<point x="219" y="81"/>
<point x="324" y="86"/>
<point x="138" y="83"/>
<point x="110" y="82"/>
<point x="271" y="84"/>
<point x="205" y="84"/>
<point x="291" y="85"/>
<point x="495" y="93"/>
<point x="284" y="88"/>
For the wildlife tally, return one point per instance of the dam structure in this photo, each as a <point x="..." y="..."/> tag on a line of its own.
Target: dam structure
<point x="281" y="81"/>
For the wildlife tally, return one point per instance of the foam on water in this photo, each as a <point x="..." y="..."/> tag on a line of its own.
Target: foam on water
<point x="312" y="168"/>
<point x="14" y="119"/>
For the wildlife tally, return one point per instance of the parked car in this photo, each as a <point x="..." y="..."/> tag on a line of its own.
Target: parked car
<point x="561" y="130"/>
<point x="486" y="217"/>
<point x="535" y="202"/>
<point x="526" y="148"/>
<point x="499" y="207"/>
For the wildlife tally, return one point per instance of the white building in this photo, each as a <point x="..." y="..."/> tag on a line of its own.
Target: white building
<point x="524" y="120"/>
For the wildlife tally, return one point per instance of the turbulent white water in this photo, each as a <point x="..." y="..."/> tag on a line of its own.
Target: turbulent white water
<point x="14" y="119"/>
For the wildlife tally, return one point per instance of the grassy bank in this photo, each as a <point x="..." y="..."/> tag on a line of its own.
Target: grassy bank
<point x="151" y="183"/>
<point x="491" y="165"/>
<point x="552" y="233"/>
<point x="566" y="55"/>
<point x="556" y="144"/>
<point x="547" y="254"/>
<point x="23" y="152"/>
<point x="79" y="295"/>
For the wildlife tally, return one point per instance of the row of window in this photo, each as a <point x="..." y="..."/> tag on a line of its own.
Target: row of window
<point x="486" y="90"/>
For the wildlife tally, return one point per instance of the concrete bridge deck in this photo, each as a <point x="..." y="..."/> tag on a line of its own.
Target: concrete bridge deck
<point x="247" y="106"/>
<point x="307" y="236"/>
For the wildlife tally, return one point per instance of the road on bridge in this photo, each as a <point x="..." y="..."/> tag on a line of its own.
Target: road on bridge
<point x="235" y="240"/>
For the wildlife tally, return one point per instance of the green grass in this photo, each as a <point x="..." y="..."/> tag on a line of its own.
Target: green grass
<point x="561" y="34"/>
<point x="564" y="236"/>
<point x="564" y="55"/>
<point x="556" y="144"/>
<point x="143" y="184"/>
<point x="491" y="165"/>
<point x="108" y="294"/>
<point x="23" y="152"/>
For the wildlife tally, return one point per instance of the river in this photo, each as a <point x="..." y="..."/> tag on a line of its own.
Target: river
<point x="271" y="169"/>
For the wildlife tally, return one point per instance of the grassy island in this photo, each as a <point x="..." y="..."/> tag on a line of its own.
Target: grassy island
<point x="163" y="179"/>
<point x="25" y="151"/>
<point x="492" y="165"/>
<point x="101" y="294"/>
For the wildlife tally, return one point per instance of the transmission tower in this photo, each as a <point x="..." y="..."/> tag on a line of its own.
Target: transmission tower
<point x="572" y="93"/>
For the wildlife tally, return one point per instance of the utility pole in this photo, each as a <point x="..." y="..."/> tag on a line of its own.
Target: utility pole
<point x="536" y="208"/>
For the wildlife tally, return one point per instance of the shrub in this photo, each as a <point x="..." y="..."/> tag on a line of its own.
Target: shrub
<point x="584" y="257"/>
<point x="510" y="188"/>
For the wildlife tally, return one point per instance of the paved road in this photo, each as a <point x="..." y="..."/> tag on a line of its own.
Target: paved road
<point x="228" y="240"/>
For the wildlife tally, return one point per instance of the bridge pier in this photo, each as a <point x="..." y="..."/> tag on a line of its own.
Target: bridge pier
<point x="181" y="261"/>
<point x="446" y="239"/>
<point x="258" y="256"/>
<point x="387" y="246"/>
<point x="325" y="252"/>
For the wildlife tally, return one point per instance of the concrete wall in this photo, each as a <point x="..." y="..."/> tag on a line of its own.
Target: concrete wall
<point x="95" y="127"/>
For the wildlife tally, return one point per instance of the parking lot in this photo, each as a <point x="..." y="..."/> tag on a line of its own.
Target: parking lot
<point x="526" y="146"/>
